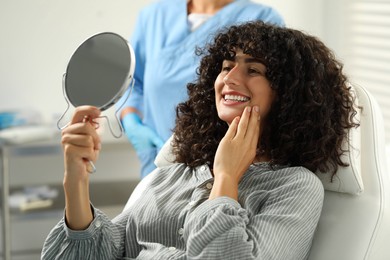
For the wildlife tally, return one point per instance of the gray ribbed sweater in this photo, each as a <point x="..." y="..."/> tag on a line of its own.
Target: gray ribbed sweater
<point x="275" y="218"/>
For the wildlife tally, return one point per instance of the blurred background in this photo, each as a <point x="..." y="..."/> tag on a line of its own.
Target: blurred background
<point x="38" y="37"/>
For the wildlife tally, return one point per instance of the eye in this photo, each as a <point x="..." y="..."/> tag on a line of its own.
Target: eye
<point x="227" y="66"/>
<point x="253" y="71"/>
<point x="256" y="70"/>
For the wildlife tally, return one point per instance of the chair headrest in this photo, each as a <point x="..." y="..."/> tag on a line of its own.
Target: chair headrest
<point x="165" y="156"/>
<point x="348" y="179"/>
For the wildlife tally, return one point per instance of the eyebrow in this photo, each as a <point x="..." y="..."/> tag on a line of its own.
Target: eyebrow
<point x="253" y="60"/>
<point x="246" y="60"/>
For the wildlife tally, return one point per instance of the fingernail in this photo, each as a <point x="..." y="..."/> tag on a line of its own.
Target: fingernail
<point x="256" y="108"/>
<point x="248" y="109"/>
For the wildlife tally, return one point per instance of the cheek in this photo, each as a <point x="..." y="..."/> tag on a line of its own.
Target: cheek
<point x="218" y="83"/>
<point x="266" y="105"/>
<point x="218" y="86"/>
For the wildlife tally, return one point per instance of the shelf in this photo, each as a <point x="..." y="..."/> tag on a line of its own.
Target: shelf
<point x="41" y="163"/>
<point x="114" y="193"/>
<point x="109" y="197"/>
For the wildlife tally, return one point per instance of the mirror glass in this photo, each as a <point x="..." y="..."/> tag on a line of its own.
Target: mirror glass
<point x="98" y="73"/>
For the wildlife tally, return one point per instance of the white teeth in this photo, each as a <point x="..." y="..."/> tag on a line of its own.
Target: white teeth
<point x="236" y="98"/>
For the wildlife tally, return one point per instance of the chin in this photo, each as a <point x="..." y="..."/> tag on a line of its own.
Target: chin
<point x="228" y="118"/>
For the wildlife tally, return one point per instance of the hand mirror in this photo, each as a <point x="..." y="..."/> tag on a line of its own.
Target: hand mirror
<point x="98" y="74"/>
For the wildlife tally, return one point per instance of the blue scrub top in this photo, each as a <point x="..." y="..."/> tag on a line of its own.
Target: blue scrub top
<point x="164" y="47"/>
<point x="165" y="54"/>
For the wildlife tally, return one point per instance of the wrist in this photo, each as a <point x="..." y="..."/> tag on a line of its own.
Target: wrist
<point x="130" y="110"/>
<point x="76" y="192"/>
<point x="224" y="185"/>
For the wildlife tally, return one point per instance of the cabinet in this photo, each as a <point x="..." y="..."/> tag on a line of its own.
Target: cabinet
<point x="41" y="163"/>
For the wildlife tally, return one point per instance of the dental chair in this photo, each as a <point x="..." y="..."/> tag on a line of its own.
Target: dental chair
<point x="355" y="220"/>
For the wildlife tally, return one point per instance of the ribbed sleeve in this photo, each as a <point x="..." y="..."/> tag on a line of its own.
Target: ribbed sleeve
<point x="103" y="239"/>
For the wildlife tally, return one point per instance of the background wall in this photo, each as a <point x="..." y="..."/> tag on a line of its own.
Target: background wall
<point x="38" y="38"/>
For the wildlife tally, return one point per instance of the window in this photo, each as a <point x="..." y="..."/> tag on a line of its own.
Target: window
<point x="367" y="50"/>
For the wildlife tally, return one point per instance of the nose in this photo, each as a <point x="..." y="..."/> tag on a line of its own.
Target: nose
<point x="233" y="77"/>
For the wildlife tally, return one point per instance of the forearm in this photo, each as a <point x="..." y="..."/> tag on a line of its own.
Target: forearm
<point x="78" y="212"/>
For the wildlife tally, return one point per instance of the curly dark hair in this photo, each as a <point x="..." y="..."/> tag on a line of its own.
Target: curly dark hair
<point x="308" y="120"/>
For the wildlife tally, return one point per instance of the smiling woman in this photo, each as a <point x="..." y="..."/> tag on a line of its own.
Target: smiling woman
<point x="293" y="75"/>
<point x="246" y="144"/>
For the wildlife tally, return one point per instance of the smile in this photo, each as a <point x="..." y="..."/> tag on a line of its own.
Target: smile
<point x="236" y="98"/>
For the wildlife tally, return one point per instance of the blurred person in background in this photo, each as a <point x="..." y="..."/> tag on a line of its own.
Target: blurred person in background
<point x="164" y="40"/>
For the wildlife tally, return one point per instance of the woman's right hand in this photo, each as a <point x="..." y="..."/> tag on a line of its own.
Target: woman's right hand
<point x="81" y="144"/>
<point x="235" y="153"/>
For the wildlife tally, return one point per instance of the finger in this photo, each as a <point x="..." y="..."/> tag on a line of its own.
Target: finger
<point x="243" y="125"/>
<point x="232" y="130"/>
<point x="157" y="142"/>
<point x="78" y="140"/>
<point x="254" y="122"/>
<point x="80" y="153"/>
<point x="253" y="130"/>
<point x="82" y="112"/>
<point x="83" y="130"/>
<point x="90" y="164"/>
<point x="91" y="168"/>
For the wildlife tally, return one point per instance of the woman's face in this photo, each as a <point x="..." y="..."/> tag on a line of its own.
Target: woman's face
<point x="242" y="83"/>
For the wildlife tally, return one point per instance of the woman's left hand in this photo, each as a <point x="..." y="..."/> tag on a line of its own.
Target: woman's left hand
<point x="235" y="153"/>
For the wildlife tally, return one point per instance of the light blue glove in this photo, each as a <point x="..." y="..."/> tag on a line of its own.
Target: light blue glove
<point x="141" y="137"/>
